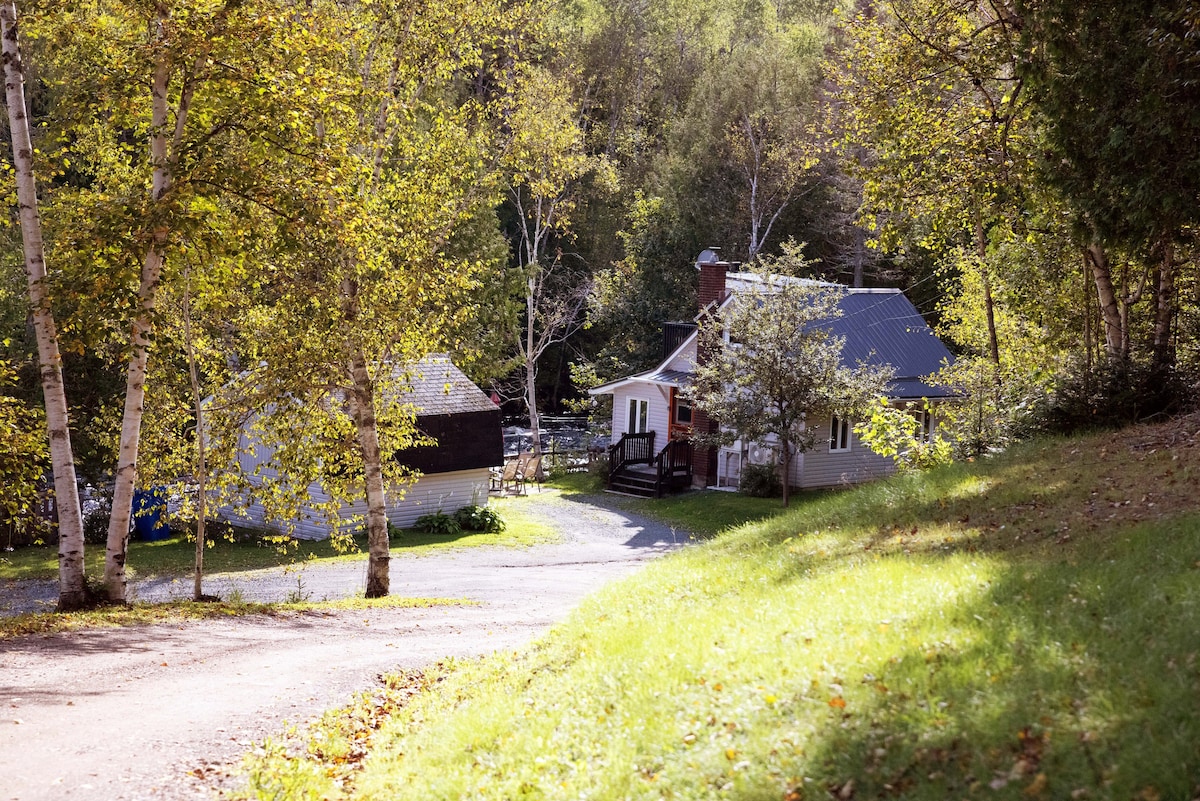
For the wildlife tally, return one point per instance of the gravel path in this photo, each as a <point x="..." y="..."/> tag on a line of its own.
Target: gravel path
<point x="161" y="712"/>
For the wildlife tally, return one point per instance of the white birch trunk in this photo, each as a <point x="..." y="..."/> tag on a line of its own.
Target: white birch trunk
<point x="201" y="442"/>
<point x="135" y="380"/>
<point x="72" y="592"/>
<point x="1110" y="308"/>
<point x="362" y="408"/>
<point x="531" y="356"/>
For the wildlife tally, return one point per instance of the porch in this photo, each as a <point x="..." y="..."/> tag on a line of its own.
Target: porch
<point x="635" y="468"/>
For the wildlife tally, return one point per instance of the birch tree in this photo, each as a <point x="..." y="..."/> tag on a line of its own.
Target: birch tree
<point x="72" y="593"/>
<point x="547" y="161"/>
<point x="210" y="90"/>
<point x="379" y="271"/>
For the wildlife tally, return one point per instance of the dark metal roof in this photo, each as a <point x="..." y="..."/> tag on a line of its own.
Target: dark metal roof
<point x="673" y="377"/>
<point x="883" y="327"/>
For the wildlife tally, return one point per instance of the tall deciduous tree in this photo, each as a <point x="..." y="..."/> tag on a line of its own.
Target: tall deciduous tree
<point x="771" y="366"/>
<point x="546" y="160"/>
<point x="937" y="124"/>
<point x="72" y="591"/>
<point x="163" y="112"/>
<point x="381" y="269"/>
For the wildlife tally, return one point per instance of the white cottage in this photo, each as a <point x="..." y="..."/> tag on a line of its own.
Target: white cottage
<point x="652" y="421"/>
<point x="451" y="410"/>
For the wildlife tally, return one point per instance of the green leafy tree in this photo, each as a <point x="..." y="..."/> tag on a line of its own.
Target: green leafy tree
<point x="24" y="457"/>
<point x="378" y="275"/>
<point x="1116" y="89"/>
<point x="546" y="159"/>
<point x="771" y="366"/>
<point x="162" y="115"/>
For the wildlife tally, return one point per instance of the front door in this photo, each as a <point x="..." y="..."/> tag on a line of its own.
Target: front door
<point x="681" y="417"/>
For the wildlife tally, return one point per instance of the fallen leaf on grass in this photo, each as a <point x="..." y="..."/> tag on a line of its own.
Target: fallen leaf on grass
<point x="837" y="702"/>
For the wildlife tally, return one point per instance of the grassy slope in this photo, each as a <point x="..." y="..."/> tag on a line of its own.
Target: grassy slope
<point x="1022" y="627"/>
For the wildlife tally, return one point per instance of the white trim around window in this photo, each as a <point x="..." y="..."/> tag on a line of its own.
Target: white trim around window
<point x="839" y="435"/>
<point x="637" y="420"/>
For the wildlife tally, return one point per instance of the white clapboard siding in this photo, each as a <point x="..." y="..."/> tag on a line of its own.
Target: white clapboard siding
<point x="658" y="410"/>
<point x="820" y="468"/>
<point x="445" y="492"/>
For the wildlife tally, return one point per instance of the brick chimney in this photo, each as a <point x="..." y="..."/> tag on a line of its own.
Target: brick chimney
<point x="712" y="277"/>
<point x="712" y="291"/>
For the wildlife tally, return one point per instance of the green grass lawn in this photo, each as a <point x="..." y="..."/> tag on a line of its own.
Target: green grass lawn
<point x="1017" y="628"/>
<point x="176" y="556"/>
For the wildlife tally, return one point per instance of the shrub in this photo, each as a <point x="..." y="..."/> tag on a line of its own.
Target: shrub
<point x="95" y="525"/>
<point x="478" y="518"/>
<point x="599" y="467"/>
<point x="438" y="523"/>
<point x="760" y="481"/>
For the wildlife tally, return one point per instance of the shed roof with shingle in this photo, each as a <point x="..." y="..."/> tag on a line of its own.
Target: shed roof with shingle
<point x="436" y="386"/>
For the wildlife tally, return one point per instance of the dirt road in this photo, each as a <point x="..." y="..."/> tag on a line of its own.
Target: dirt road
<point x="161" y="712"/>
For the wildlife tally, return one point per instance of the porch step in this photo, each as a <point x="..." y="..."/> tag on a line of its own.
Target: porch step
<point x="630" y="483"/>
<point x="640" y="483"/>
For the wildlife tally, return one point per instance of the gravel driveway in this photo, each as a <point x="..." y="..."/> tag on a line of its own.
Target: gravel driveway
<point x="160" y="712"/>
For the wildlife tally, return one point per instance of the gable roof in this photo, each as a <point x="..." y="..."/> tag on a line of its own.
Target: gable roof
<point x="457" y="414"/>
<point x="878" y="326"/>
<point x="436" y="386"/>
<point x="883" y="327"/>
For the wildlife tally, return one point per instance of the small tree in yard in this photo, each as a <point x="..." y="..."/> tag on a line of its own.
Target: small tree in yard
<point x="780" y="364"/>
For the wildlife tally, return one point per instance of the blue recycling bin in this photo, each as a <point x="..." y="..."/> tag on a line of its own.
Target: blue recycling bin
<point x="150" y="514"/>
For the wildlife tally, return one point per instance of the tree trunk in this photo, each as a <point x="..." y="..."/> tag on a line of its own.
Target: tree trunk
<point x="859" y="259"/>
<point x="785" y="467"/>
<point x="535" y="423"/>
<point x="1110" y="308"/>
<point x="72" y="592"/>
<point x="989" y="308"/>
<point x="135" y="376"/>
<point x="362" y="408"/>
<point x="1164" y="311"/>
<point x="201" y="443"/>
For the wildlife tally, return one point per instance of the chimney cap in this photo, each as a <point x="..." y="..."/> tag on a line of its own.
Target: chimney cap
<point x="709" y="256"/>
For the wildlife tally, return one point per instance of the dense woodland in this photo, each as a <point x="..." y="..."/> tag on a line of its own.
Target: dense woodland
<point x="261" y="203"/>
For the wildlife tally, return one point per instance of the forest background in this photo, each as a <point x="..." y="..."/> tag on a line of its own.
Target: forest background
<point x="262" y="202"/>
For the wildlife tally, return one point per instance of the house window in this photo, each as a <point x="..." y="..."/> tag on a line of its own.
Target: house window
<point x="926" y="425"/>
<point x="839" y="435"/>
<point x="683" y="413"/>
<point x="639" y="413"/>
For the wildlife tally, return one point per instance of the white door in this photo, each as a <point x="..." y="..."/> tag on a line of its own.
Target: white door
<point x="639" y="414"/>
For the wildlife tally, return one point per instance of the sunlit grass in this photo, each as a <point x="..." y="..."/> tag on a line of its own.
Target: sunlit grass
<point x="177" y="611"/>
<point x="1018" y="628"/>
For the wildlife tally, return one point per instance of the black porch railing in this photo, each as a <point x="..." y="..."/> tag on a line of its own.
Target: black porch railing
<point x="631" y="449"/>
<point x="674" y="464"/>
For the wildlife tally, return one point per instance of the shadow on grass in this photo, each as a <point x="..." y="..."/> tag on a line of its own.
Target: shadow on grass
<point x="1075" y="676"/>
